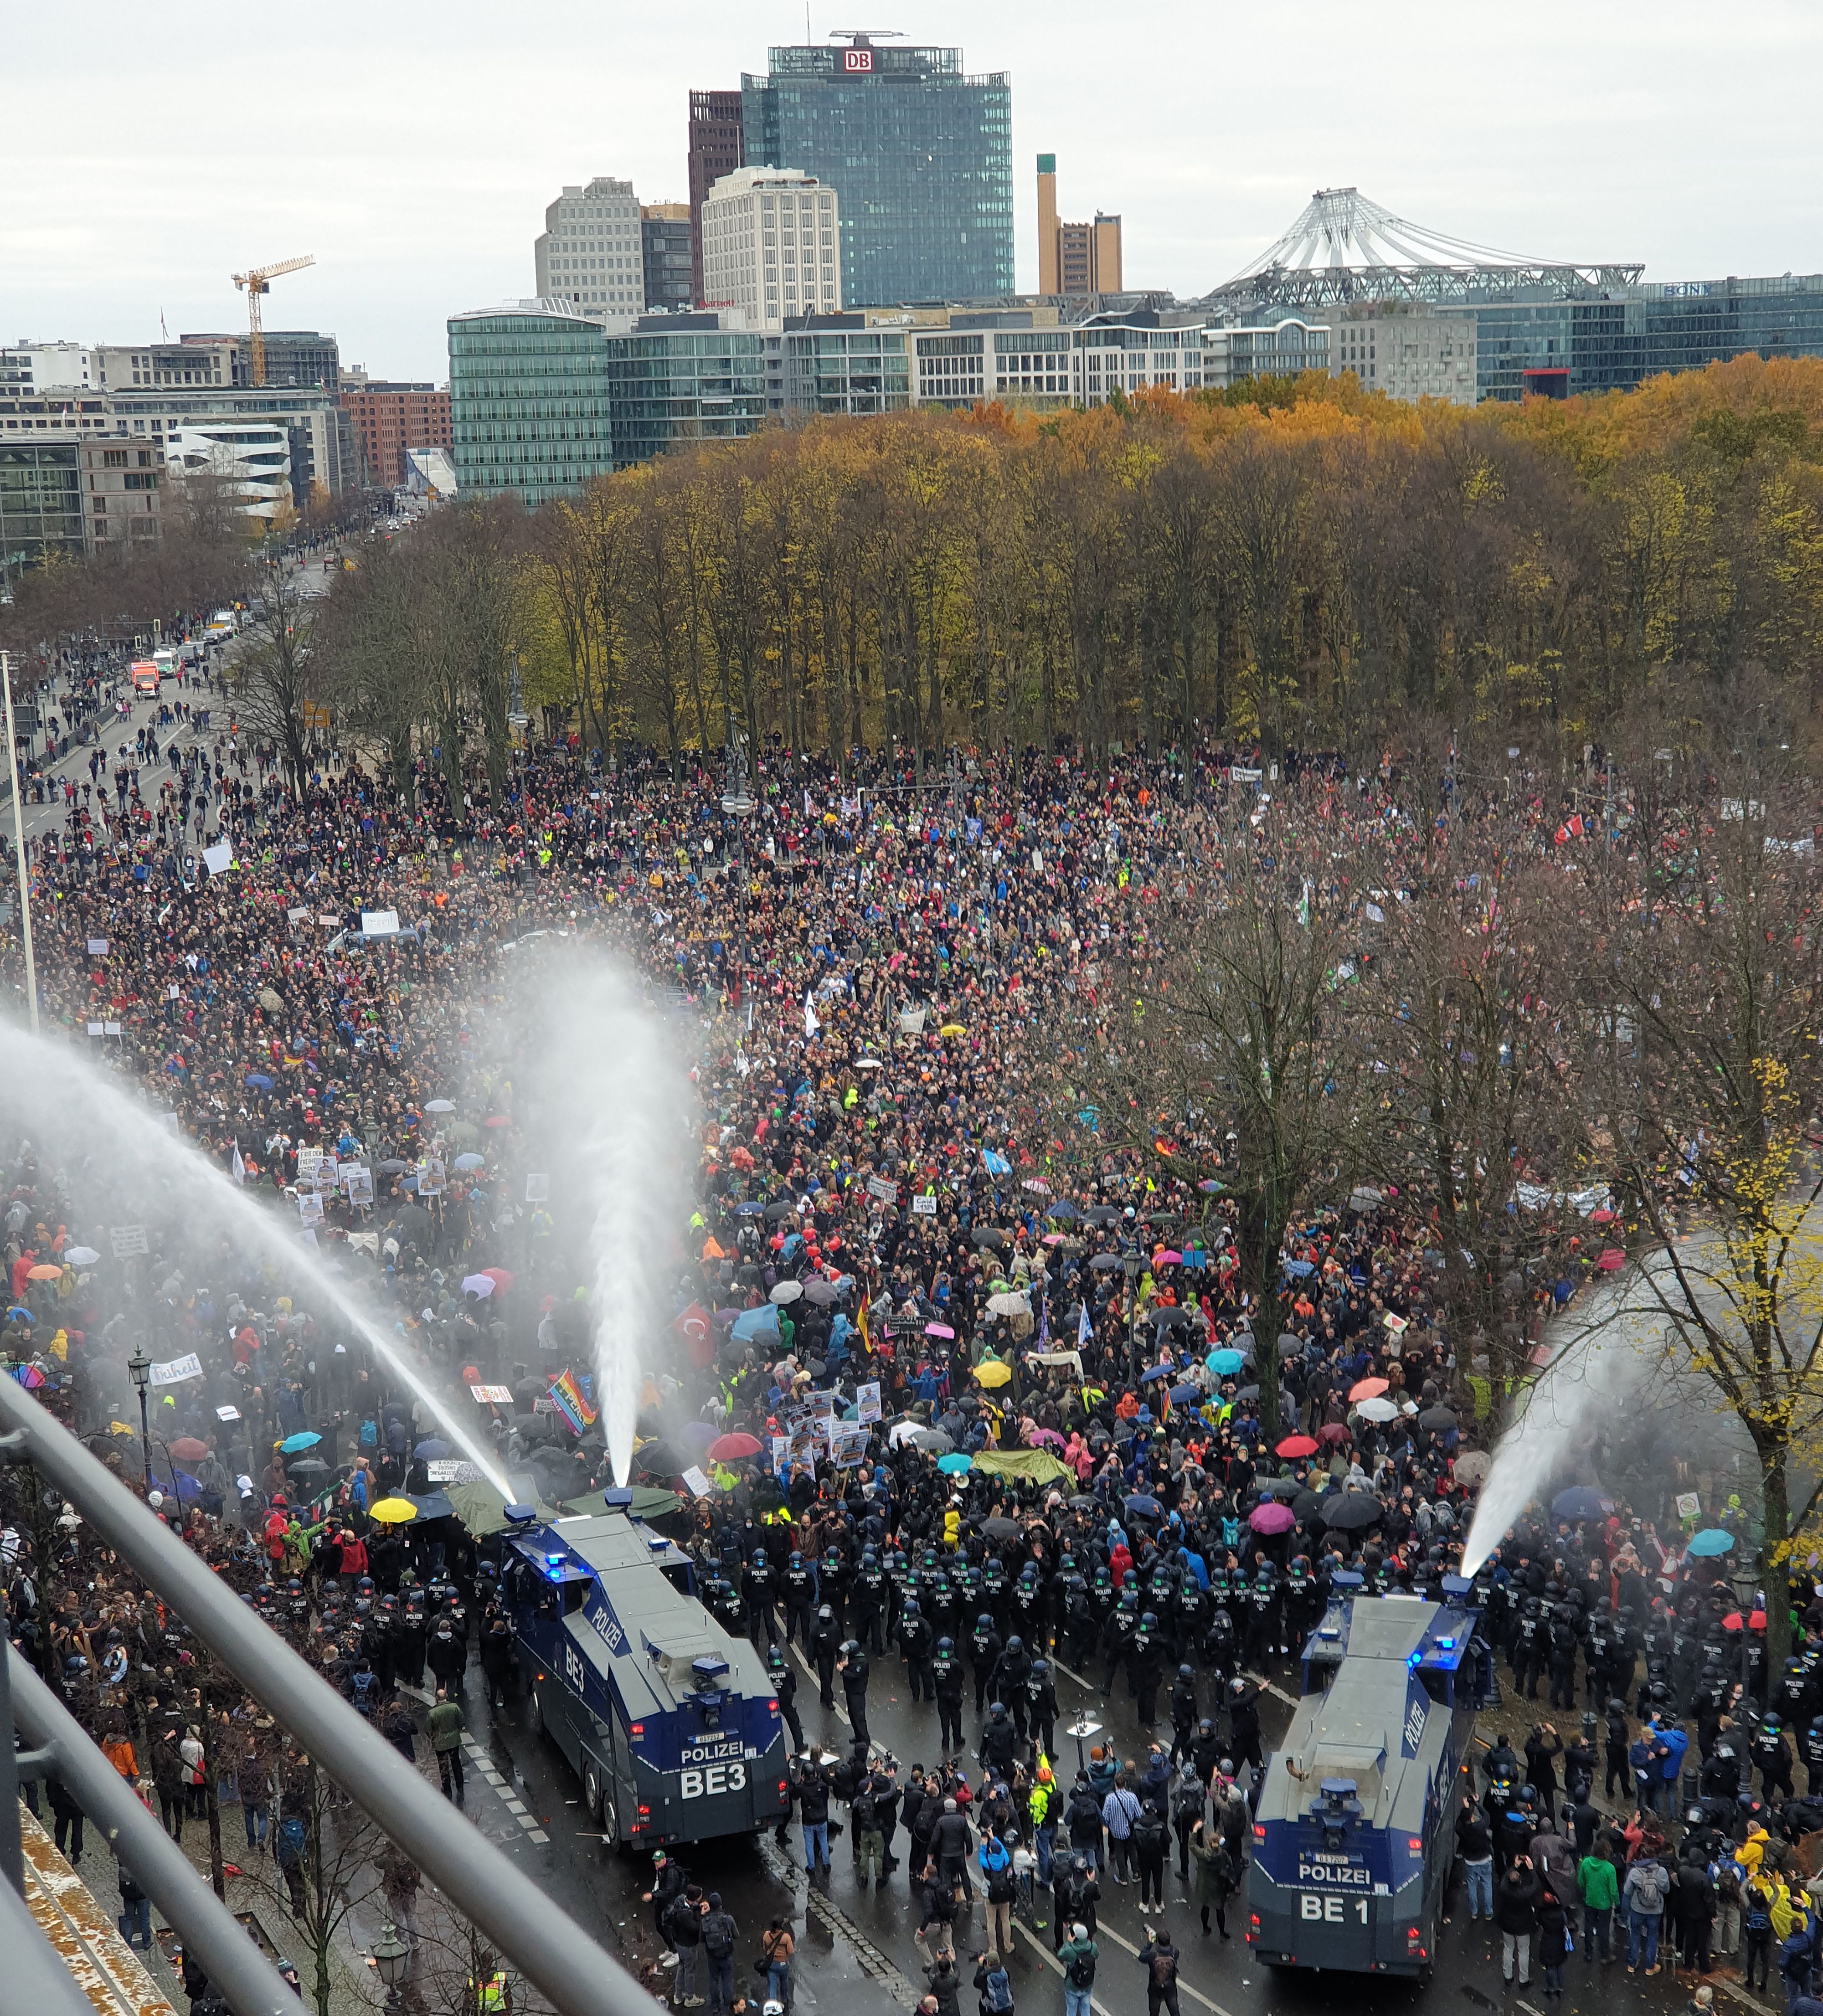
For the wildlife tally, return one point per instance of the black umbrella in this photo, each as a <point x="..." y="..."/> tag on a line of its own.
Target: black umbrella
<point x="1351" y="1511"/>
<point x="1000" y="1529"/>
<point x="816" y="1367"/>
<point x="1440" y="1421"/>
<point x="1308" y="1505"/>
<point x="1291" y="1347"/>
<point x="1102" y="1214"/>
<point x="1278" y="1487"/>
<point x="1083" y="1502"/>
<point x="1104" y="1263"/>
<point x="392" y="1166"/>
<point x="1246" y="1393"/>
<point x="661" y="1460"/>
<point x="308" y="1466"/>
<point x="1173" y="1317"/>
<point x="1063" y="1211"/>
<point x="988" y="1235"/>
<point x="783" y="1209"/>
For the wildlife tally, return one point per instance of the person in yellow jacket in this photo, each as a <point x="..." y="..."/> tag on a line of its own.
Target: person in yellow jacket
<point x="952" y="1524"/>
<point x="1758" y="1896"/>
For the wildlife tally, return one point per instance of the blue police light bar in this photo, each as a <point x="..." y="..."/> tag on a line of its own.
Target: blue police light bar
<point x="617" y="1498"/>
<point x="518" y="1515"/>
<point x="1457" y="1585"/>
<point x="1347" y="1578"/>
<point x="708" y="1667"/>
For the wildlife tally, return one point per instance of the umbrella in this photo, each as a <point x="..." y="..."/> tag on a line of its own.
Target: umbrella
<point x="44" y="1272"/>
<point x="1037" y="1184"/>
<point x="440" y="1106"/>
<point x="1102" y="1214"/>
<point x="1581" y="1501"/>
<point x="477" y="1284"/>
<point x="258" y="1081"/>
<point x="1140" y="1506"/>
<point x="1439" y="1421"/>
<point x="1063" y="1211"/>
<point x="186" y="1448"/>
<point x="19" y="1313"/>
<point x="1295" y="1445"/>
<point x="750" y="1209"/>
<point x="1163" y="1369"/>
<point x="777" y="1212"/>
<point x="1167" y="1256"/>
<point x="81" y="1256"/>
<point x="1224" y="1362"/>
<point x="463" y="1130"/>
<point x="1368" y="1389"/>
<point x="294" y="1444"/>
<point x="988" y="1235"/>
<point x="1007" y="1304"/>
<point x="939" y="1330"/>
<point x="1309" y="1504"/>
<point x="955" y="1464"/>
<point x="1473" y="1468"/>
<point x="1105" y="1263"/>
<point x="1351" y="1511"/>
<point x="1612" y="1261"/>
<point x="392" y="1165"/>
<point x="951" y="1029"/>
<point x="819" y="1292"/>
<point x="751" y="1324"/>
<point x="1291" y="1347"/>
<point x="1040" y="1437"/>
<point x="933" y="1439"/>
<point x="308" y="1466"/>
<point x="731" y="1449"/>
<point x="1376" y="1410"/>
<point x="866" y="1063"/>
<point x="431" y="1449"/>
<point x="498" y="1275"/>
<point x="1334" y="1433"/>
<point x="991" y="1372"/>
<point x="1182" y="1395"/>
<point x="471" y="1160"/>
<point x="497" y="1120"/>
<point x="1272" y="1517"/>
<point x="1711" y="1541"/>
<point x="661" y="1459"/>
<point x="393" y="1511"/>
<point x="786" y="1291"/>
<point x="1279" y="1487"/>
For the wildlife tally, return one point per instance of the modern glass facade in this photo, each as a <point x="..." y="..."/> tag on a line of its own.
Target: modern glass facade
<point x="920" y="155"/>
<point x="40" y="503"/>
<point x="691" y="382"/>
<point x="528" y="403"/>
<point x="852" y="370"/>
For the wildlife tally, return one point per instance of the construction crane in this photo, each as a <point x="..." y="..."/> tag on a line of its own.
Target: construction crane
<point x="259" y="280"/>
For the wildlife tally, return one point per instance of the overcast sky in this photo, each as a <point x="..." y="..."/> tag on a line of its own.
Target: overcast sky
<point x="149" y="153"/>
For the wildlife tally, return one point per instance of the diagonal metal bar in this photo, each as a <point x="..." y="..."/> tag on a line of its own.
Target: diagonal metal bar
<point x="547" y="1945"/>
<point x="233" y="1963"/>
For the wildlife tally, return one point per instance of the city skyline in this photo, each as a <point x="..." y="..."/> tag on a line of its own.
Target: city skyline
<point x="1652" y="139"/>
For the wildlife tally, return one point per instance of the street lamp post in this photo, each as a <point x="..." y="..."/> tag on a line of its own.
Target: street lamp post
<point x="737" y="806"/>
<point x="1745" y="1578"/>
<point x="393" y="1958"/>
<point x="139" y="1371"/>
<point x="31" y="982"/>
<point x="1130" y="1266"/>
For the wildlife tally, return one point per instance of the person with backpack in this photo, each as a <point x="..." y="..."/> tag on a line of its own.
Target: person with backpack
<point x="1515" y="1912"/>
<point x="1152" y="1844"/>
<point x="945" y="1985"/>
<point x="1078" y="1958"/>
<point x="719" y="1934"/>
<point x="999" y="1883"/>
<point x="870" y="1843"/>
<point x="1758" y="1895"/>
<point x="1598" y="1887"/>
<point x="443" y="1725"/>
<point x="993" y="1990"/>
<point x="135" y="1918"/>
<point x="1159" y="1957"/>
<point x="1642" y="1897"/>
<point x="288" y="1846"/>
<point x="937" y="1894"/>
<point x="1797" y="1955"/>
<point x="1120" y="1808"/>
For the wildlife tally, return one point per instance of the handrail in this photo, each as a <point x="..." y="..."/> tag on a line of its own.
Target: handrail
<point x="541" y="1940"/>
<point x="36" y="1978"/>
<point x="233" y="1963"/>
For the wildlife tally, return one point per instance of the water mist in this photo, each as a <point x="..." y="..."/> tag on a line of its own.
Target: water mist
<point x="67" y="1102"/>
<point x="617" y="1106"/>
<point x="1605" y="1352"/>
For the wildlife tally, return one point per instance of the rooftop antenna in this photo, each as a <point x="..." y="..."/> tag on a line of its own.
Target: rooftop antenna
<point x="863" y="36"/>
<point x="162" y="330"/>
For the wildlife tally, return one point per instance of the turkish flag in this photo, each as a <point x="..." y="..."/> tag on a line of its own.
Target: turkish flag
<point x="693" y="1326"/>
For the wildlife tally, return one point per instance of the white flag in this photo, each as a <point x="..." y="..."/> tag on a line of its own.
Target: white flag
<point x="1083" y="1330"/>
<point x="810" y="1024"/>
<point x="240" y="1167"/>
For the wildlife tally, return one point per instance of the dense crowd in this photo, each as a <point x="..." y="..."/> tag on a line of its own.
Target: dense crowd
<point x="1067" y="1465"/>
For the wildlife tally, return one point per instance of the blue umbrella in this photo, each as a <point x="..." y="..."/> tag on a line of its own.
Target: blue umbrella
<point x="292" y="1444"/>
<point x="471" y="1160"/>
<point x="954" y="1464"/>
<point x="1180" y="1394"/>
<point x="258" y="1081"/>
<point x="1161" y="1370"/>
<point x="1224" y="1362"/>
<point x="19" y="1313"/>
<point x="431" y="1449"/>
<point x="188" y="1489"/>
<point x="1581" y="1501"/>
<point x="1299" y="1268"/>
<point x="1140" y="1506"/>
<point x="752" y="1324"/>
<point x="749" y="1210"/>
<point x="1711" y="1540"/>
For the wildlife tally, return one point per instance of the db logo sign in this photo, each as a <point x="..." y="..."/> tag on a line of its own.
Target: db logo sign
<point x="858" y="62"/>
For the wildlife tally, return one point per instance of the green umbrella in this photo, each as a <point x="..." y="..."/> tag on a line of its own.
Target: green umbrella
<point x="463" y="1130"/>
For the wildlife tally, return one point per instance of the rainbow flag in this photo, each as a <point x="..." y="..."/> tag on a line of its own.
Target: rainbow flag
<point x="572" y="1403"/>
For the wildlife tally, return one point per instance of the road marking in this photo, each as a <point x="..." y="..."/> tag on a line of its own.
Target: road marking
<point x="1273" y="1688"/>
<point x="1081" y="1682"/>
<point x="816" y="1904"/>
<point x="810" y="1675"/>
<point x="1105" y="1930"/>
<point x="1056" y="1965"/>
<point x="1526" y="2005"/>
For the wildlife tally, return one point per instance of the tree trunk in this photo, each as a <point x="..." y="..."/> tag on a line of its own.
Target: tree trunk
<point x="1775" y="1491"/>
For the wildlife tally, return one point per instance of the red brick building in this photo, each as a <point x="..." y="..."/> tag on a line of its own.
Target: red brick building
<point x="389" y="418"/>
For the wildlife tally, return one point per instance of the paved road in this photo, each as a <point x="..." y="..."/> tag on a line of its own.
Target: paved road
<point x="856" y="1948"/>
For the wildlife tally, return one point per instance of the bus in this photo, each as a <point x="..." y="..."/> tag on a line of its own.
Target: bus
<point x="671" y="1725"/>
<point x="1354" y="1832"/>
<point x="143" y="675"/>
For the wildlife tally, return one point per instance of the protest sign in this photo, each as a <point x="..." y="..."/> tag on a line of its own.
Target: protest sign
<point x="175" y="1371"/>
<point x="924" y="1207"/>
<point x="127" y="1239"/>
<point x="867" y="1401"/>
<point x="493" y="1396"/>
<point x="699" y="1486"/>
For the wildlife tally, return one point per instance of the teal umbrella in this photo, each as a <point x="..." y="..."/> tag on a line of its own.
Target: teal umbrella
<point x="292" y="1444"/>
<point x="1711" y="1540"/>
<point x="954" y="1464"/>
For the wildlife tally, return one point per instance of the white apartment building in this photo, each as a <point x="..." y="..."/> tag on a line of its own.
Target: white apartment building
<point x="590" y="253"/>
<point x="251" y="459"/>
<point x="772" y="247"/>
<point x="1408" y="350"/>
<point x="1285" y="349"/>
<point x="27" y="367"/>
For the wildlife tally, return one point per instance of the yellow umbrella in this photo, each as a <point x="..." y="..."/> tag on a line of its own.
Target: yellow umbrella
<point x="991" y="1372"/>
<point x="953" y="1029"/>
<point x="393" y="1511"/>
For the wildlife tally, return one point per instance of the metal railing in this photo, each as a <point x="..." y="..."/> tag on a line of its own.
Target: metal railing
<point x="546" y="1945"/>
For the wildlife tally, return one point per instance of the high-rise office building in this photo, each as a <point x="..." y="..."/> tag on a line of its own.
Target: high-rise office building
<point x="771" y="246"/>
<point x="528" y="400"/>
<point x="591" y="250"/>
<point x="664" y="247"/>
<point x="1074" y="259"/>
<point x="714" y="151"/>
<point x="919" y="154"/>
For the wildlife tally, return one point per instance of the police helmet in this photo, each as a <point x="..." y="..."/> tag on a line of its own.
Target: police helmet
<point x="1186" y="1672"/>
<point x="1015" y="1644"/>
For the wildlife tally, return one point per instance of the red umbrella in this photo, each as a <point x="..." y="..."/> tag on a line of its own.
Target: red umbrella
<point x="730" y="1448"/>
<point x="496" y="1120"/>
<point x="1368" y="1389"/>
<point x="1296" y="1446"/>
<point x="1333" y="1431"/>
<point x="501" y="1278"/>
<point x="186" y="1448"/>
<point x="1612" y="1261"/>
<point x="1602" y="1217"/>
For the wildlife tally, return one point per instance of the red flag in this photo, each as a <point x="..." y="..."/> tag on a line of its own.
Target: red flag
<point x="693" y="1326"/>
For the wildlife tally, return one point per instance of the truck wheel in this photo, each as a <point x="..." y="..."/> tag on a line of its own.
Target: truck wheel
<point x="592" y="1791"/>
<point x="611" y="1824"/>
<point x="534" y="1714"/>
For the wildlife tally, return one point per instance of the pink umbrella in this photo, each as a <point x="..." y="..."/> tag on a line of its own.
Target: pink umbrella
<point x="1165" y="1258"/>
<point x="1039" y="1436"/>
<point x="1611" y="1260"/>
<point x="939" y="1330"/>
<point x="1272" y="1517"/>
<point x="1368" y="1389"/>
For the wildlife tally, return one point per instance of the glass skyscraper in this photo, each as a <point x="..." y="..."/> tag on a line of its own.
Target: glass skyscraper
<point x="683" y="379"/>
<point x="527" y="402"/>
<point x="920" y="155"/>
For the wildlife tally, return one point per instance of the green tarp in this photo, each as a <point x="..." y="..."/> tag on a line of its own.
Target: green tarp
<point x="1033" y="1464"/>
<point x="482" y="1509"/>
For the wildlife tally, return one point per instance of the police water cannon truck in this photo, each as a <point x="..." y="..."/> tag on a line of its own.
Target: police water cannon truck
<point x="1356" y="1826"/>
<point x="671" y="1724"/>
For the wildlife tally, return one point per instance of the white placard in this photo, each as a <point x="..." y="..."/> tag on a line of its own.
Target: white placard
<point x="700" y="1485"/>
<point x="359" y="1183"/>
<point x="323" y="1175"/>
<point x="175" y="1371"/>
<point x="96" y="1028"/>
<point x="127" y="1239"/>
<point x="327" y="917"/>
<point x="493" y="1396"/>
<point x="174" y="992"/>
<point x="430" y="1177"/>
<point x="452" y="1469"/>
<point x="218" y="859"/>
<point x="1688" y="1504"/>
<point x="308" y="1159"/>
<point x="867" y="1401"/>
<point x="309" y="1208"/>
<point x="379" y="923"/>
<point x="1241" y="777"/>
<point x="110" y="1029"/>
<point x="848" y="1445"/>
<point x="98" y="947"/>
<point x="879" y="1186"/>
<point x="538" y="1190"/>
<point x="297" y="917"/>
<point x="924" y="1207"/>
<point x="228" y="1413"/>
